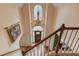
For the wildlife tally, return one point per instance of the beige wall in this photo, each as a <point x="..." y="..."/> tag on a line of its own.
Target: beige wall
<point x="68" y="15"/>
<point x="9" y="15"/>
<point x="25" y="40"/>
<point x="50" y="19"/>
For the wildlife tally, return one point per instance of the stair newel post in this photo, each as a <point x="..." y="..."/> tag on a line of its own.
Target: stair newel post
<point x="58" y="44"/>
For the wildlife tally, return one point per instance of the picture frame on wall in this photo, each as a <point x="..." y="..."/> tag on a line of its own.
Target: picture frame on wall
<point x="13" y="31"/>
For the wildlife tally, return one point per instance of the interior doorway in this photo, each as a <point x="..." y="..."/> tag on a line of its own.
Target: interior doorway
<point x="37" y="36"/>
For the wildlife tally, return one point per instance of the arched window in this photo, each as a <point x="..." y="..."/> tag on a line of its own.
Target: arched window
<point x="38" y="9"/>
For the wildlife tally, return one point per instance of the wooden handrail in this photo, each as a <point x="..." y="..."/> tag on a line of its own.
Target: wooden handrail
<point x="61" y="29"/>
<point x="43" y="40"/>
<point x="10" y="52"/>
<point x="71" y="28"/>
<point x="34" y="45"/>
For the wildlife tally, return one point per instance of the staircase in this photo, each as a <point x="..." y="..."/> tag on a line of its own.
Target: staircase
<point x="66" y="44"/>
<point x="62" y="42"/>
